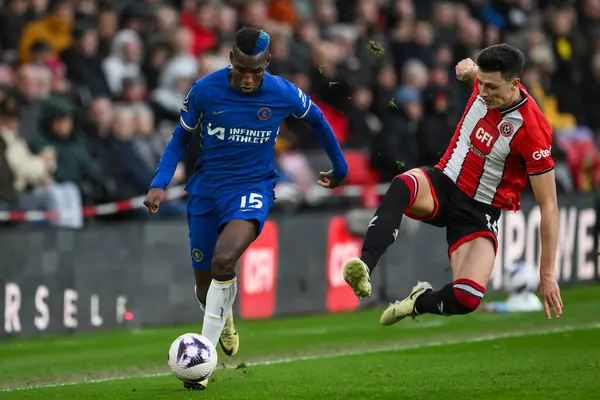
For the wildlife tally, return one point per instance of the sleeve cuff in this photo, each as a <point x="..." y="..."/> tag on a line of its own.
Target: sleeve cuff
<point x="541" y="172"/>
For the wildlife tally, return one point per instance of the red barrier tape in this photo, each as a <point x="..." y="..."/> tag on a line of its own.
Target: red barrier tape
<point x="91" y="211"/>
<point x="172" y="194"/>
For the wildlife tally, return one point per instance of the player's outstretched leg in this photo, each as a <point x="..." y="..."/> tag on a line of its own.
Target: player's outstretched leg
<point x="383" y="228"/>
<point x="472" y="265"/>
<point x="233" y="241"/>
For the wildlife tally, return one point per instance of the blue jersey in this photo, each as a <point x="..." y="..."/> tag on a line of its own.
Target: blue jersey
<point x="238" y="133"/>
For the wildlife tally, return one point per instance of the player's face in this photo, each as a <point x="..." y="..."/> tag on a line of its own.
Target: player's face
<point x="247" y="71"/>
<point x="495" y="90"/>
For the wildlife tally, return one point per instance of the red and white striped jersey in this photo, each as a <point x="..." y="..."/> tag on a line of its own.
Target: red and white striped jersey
<point x="492" y="151"/>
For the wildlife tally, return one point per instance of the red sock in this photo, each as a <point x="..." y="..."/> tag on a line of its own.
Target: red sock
<point x="413" y="186"/>
<point x="468" y="293"/>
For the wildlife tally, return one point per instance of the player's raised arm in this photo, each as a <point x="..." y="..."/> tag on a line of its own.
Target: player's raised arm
<point x="190" y="116"/>
<point x="305" y="109"/>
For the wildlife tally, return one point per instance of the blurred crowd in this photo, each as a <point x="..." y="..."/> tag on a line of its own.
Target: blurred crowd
<point x="90" y="90"/>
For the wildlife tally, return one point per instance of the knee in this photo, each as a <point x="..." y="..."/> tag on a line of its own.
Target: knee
<point x="223" y="265"/>
<point x="469" y="295"/>
<point x="414" y="174"/>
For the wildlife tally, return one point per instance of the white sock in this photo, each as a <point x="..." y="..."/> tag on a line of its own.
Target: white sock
<point x="202" y="305"/>
<point x="219" y="301"/>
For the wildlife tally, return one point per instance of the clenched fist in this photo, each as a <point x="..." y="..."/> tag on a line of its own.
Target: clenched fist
<point x="466" y="69"/>
<point x="153" y="199"/>
<point x="327" y="180"/>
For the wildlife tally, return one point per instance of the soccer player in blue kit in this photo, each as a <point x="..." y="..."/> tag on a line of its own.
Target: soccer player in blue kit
<point x="238" y="111"/>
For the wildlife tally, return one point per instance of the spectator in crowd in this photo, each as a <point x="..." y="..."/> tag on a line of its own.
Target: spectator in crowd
<point x="9" y="198"/>
<point x="74" y="162"/>
<point x="166" y="23"/>
<point x="202" y="24"/>
<point x="364" y="124"/>
<point x="55" y="29"/>
<point x="124" y="60"/>
<point x="32" y="174"/>
<point x="85" y="11"/>
<point x="83" y="63"/>
<point x="130" y="170"/>
<point x="396" y="149"/>
<point x="134" y="94"/>
<point x="227" y="24"/>
<point x="148" y="144"/>
<point x="14" y="17"/>
<point x="107" y="24"/>
<point x="173" y="86"/>
<point x="32" y="83"/>
<point x="436" y="127"/>
<point x="97" y="129"/>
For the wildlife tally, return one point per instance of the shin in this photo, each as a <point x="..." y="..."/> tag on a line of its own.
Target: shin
<point x="383" y="228"/>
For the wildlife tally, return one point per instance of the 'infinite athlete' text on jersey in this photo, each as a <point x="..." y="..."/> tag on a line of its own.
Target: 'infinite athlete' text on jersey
<point x="493" y="151"/>
<point x="238" y="131"/>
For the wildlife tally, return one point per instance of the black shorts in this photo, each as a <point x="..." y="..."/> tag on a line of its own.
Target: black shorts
<point x="465" y="219"/>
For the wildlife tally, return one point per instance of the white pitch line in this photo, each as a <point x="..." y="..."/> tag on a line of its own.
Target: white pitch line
<point x="476" y="339"/>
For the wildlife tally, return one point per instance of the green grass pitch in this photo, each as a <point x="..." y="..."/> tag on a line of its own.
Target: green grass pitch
<point x="341" y="356"/>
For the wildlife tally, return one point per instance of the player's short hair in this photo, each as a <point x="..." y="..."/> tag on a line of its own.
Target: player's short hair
<point x="507" y="60"/>
<point x="252" y="41"/>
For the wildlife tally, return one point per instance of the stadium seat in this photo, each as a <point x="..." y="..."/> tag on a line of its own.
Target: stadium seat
<point x="584" y="162"/>
<point x="359" y="171"/>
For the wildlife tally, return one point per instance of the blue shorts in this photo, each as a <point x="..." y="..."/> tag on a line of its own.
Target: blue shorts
<point x="206" y="217"/>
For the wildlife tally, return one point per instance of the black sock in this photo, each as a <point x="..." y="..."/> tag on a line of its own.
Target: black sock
<point x="441" y="302"/>
<point x="383" y="228"/>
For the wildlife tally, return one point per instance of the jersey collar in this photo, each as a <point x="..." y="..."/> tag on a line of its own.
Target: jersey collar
<point x="520" y="104"/>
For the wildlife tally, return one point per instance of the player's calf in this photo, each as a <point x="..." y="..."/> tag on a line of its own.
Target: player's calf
<point x="463" y="296"/>
<point x="203" y="279"/>
<point x="383" y="228"/>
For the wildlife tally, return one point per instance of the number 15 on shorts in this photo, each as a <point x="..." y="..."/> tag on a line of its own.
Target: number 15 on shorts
<point x="253" y="200"/>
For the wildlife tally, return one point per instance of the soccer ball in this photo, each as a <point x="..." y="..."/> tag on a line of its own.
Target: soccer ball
<point x="192" y="358"/>
<point x="521" y="278"/>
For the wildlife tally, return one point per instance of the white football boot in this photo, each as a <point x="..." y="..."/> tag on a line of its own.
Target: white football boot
<point x="404" y="308"/>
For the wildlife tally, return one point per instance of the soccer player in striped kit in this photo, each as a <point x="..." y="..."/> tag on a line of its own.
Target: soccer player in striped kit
<point x="502" y="140"/>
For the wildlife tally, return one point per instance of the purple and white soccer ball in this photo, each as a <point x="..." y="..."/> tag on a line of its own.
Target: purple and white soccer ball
<point x="192" y="358"/>
<point x="521" y="278"/>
